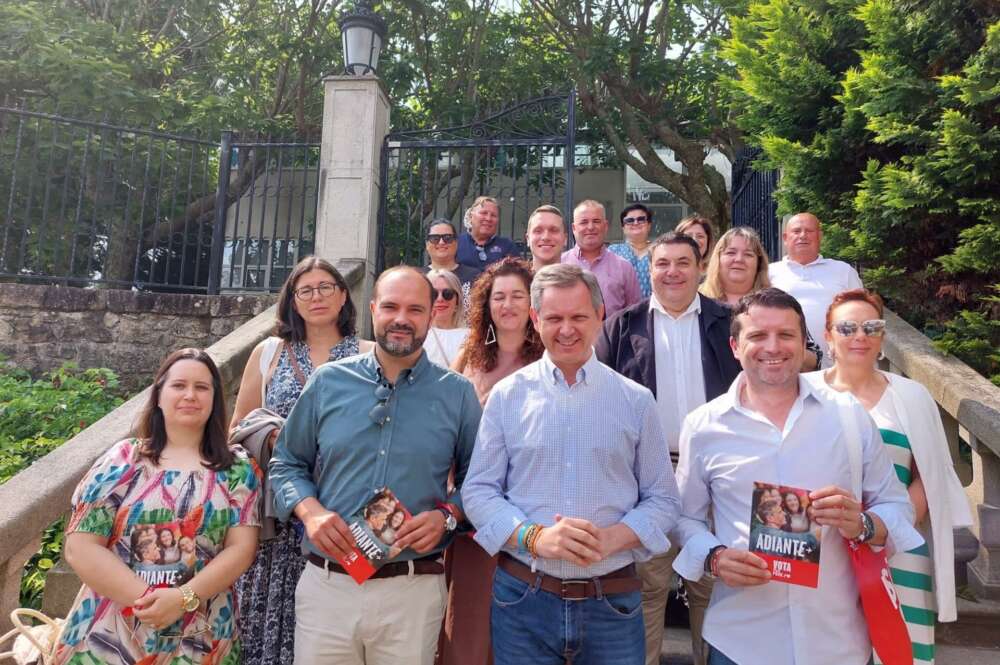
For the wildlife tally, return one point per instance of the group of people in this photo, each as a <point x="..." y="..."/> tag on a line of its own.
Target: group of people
<point x="566" y="434"/>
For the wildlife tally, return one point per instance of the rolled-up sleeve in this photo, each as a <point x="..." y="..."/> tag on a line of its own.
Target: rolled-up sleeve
<point x="468" y="427"/>
<point x="658" y="507"/>
<point x="882" y="493"/>
<point x="692" y="533"/>
<point x="294" y="457"/>
<point x="484" y="489"/>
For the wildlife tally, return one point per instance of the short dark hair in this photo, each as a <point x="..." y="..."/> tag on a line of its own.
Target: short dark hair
<point x="440" y="220"/>
<point x="769" y="297"/>
<point x="290" y="326"/>
<point x="635" y="206"/>
<point x="152" y="430"/>
<point x="404" y="268"/>
<point x="675" y="238"/>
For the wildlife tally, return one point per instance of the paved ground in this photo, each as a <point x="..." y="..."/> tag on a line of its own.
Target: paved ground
<point x="677" y="651"/>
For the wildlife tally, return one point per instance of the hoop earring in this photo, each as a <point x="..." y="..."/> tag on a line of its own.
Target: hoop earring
<point x="881" y="355"/>
<point x="491" y="335"/>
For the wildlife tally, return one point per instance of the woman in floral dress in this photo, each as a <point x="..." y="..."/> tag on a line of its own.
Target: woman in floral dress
<point x="142" y="602"/>
<point x="316" y="324"/>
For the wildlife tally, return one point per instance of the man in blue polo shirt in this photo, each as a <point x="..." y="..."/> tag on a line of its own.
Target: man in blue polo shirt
<point x="480" y="245"/>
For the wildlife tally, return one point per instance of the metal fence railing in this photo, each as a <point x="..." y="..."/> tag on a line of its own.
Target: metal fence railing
<point x="86" y="203"/>
<point x="753" y="202"/>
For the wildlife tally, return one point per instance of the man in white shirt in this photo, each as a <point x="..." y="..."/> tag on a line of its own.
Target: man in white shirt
<point x="676" y="343"/>
<point x="773" y="427"/>
<point x="811" y="278"/>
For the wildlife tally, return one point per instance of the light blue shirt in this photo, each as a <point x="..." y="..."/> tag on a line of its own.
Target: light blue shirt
<point x="594" y="450"/>
<point x="331" y="449"/>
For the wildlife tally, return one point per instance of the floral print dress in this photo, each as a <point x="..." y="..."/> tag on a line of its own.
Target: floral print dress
<point x="123" y="498"/>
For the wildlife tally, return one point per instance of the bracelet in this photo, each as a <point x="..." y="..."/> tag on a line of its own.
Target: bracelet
<point x="532" y="540"/>
<point x="522" y="531"/>
<point x="713" y="560"/>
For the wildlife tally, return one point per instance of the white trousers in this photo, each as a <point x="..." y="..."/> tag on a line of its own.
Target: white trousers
<point x="391" y="621"/>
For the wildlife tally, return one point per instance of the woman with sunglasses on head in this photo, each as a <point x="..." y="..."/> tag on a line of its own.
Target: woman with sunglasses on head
<point x="176" y="476"/>
<point x="637" y="222"/>
<point x="447" y="331"/>
<point x="442" y="246"/>
<point x="911" y="428"/>
<point x="316" y="324"/>
<point x="501" y="341"/>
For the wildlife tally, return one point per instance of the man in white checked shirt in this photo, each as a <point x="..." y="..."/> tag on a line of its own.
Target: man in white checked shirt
<point x="570" y="482"/>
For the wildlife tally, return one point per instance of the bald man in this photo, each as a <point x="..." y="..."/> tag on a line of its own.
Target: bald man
<point x="812" y="279"/>
<point x="385" y="419"/>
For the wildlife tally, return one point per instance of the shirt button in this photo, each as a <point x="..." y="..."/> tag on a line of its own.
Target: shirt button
<point x="388" y="419"/>
<point x="381" y="452"/>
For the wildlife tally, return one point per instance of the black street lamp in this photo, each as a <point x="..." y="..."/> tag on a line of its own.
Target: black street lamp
<point x="362" y="31"/>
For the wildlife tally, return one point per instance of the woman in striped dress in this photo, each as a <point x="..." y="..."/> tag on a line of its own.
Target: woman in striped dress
<point x="911" y="429"/>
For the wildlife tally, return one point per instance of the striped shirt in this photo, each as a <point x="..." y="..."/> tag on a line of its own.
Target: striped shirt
<point x="594" y="450"/>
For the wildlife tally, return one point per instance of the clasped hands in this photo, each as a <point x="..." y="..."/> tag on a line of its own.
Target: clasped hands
<point x="831" y="506"/>
<point x="159" y="608"/>
<point x="580" y="542"/>
<point x="329" y="532"/>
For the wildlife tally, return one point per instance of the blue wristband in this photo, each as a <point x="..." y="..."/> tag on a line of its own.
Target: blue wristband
<point x="521" y="531"/>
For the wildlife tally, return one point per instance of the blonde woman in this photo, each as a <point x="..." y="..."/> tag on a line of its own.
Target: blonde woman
<point x="447" y="331"/>
<point x="481" y="245"/>
<point x="738" y="266"/>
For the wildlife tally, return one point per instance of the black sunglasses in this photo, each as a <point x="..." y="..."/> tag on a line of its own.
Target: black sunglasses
<point x="638" y="219"/>
<point x="447" y="294"/>
<point x="380" y="412"/>
<point x="438" y="238"/>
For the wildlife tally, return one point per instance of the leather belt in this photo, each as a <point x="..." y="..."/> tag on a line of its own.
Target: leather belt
<point x="426" y="566"/>
<point x="623" y="580"/>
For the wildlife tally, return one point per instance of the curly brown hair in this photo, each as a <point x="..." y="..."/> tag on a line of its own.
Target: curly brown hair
<point x="478" y="354"/>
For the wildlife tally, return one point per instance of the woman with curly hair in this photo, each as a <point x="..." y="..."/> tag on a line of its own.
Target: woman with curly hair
<point x="501" y="341"/>
<point x="501" y="338"/>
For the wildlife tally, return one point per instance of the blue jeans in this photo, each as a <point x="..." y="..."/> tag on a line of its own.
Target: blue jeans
<point x="716" y="657"/>
<point x="529" y="625"/>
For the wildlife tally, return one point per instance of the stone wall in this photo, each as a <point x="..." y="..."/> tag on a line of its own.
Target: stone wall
<point x="130" y="332"/>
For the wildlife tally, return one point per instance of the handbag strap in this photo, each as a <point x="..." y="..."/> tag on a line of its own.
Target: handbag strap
<point x="19" y="626"/>
<point x="299" y="374"/>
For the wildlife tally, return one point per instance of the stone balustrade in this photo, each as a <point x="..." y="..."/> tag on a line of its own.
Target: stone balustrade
<point x="40" y="494"/>
<point x="970" y="410"/>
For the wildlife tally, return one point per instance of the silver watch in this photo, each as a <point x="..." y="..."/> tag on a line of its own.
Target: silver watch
<point x="450" y="523"/>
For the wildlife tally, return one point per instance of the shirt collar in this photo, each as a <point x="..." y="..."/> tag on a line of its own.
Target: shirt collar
<point x="695" y="306"/>
<point x="731" y="400"/>
<point x="485" y="244"/>
<point x="409" y="374"/>
<point x="579" y="253"/>
<point x="818" y="260"/>
<point x="554" y="376"/>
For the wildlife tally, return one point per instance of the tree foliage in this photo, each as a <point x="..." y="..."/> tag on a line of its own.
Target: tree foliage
<point x="883" y="117"/>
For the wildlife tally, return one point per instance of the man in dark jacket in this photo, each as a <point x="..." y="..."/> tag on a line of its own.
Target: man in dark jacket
<point x="676" y="343"/>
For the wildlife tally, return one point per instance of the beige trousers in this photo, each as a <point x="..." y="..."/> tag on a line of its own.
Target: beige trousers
<point x="657" y="575"/>
<point x="391" y="621"/>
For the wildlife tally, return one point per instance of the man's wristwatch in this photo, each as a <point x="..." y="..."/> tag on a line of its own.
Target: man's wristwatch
<point x="710" y="559"/>
<point x="450" y="523"/>
<point x="867" y="529"/>
<point x="190" y="599"/>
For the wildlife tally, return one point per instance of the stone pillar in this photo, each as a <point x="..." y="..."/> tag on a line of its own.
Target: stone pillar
<point x="984" y="572"/>
<point x="355" y="122"/>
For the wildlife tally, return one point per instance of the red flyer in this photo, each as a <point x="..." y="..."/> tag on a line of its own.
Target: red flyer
<point x="374" y="529"/>
<point x="783" y="533"/>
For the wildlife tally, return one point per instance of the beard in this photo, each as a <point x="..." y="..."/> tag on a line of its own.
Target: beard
<point x="400" y="349"/>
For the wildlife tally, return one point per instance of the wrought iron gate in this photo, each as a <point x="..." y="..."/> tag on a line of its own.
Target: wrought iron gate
<point x="523" y="156"/>
<point x="753" y="201"/>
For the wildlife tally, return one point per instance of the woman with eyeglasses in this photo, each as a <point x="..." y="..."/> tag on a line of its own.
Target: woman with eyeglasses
<point x="911" y="428"/>
<point x="447" y="331"/>
<point x="637" y="222"/>
<point x="501" y="341"/>
<point x="141" y="601"/>
<point x="442" y="246"/>
<point x="316" y="324"/>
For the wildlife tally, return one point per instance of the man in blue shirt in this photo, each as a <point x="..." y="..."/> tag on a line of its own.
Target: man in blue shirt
<point x="385" y="419"/>
<point x="571" y="481"/>
<point x="481" y="246"/>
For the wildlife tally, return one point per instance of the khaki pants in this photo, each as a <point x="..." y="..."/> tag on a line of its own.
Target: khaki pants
<point x="391" y="621"/>
<point x="657" y="575"/>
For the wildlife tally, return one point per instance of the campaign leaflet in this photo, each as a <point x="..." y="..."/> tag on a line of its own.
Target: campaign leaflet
<point x="163" y="555"/>
<point x="374" y="529"/>
<point x="783" y="533"/>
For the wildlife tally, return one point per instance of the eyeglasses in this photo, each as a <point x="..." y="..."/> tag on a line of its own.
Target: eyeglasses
<point x="639" y="219"/>
<point x="872" y="328"/>
<point x="380" y="412"/>
<point x="447" y="294"/>
<point x="325" y="289"/>
<point x="440" y="238"/>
